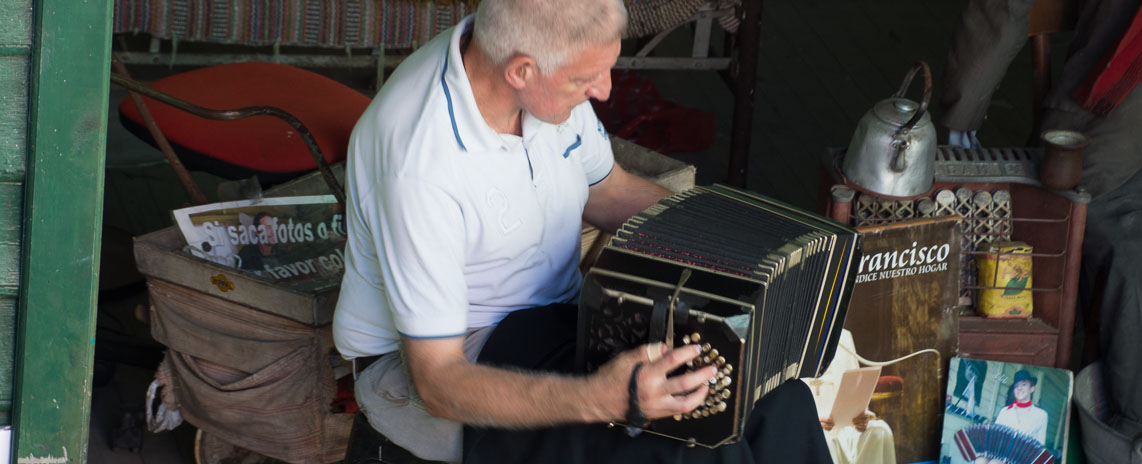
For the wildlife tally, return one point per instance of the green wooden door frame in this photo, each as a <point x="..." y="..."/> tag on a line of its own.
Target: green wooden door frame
<point x="63" y="209"/>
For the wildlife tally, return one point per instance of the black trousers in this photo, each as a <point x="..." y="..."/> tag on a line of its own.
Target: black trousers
<point x="1112" y="251"/>
<point x="783" y="427"/>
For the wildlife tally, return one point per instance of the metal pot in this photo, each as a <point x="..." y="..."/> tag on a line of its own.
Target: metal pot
<point x="893" y="150"/>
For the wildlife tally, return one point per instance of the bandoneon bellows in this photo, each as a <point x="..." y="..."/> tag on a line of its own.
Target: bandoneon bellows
<point x="761" y="286"/>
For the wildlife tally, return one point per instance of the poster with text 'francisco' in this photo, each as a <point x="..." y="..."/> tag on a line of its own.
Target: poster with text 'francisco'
<point x="285" y="239"/>
<point x="904" y="301"/>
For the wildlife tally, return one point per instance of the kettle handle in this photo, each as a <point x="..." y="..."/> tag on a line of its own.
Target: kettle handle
<point x="897" y="162"/>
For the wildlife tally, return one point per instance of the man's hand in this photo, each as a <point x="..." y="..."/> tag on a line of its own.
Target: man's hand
<point x="860" y="422"/>
<point x="827" y="423"/>
<point x="964" y="139"/>
<point x="658" y="395"/>
<point x="455" y="389"/>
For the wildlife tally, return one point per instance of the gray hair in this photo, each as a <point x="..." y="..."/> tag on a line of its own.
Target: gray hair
<point x="550" y="31"/>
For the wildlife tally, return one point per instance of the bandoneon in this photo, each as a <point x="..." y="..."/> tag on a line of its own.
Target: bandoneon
<point x="761" y="286"/>
<point x="1000" y="443"/>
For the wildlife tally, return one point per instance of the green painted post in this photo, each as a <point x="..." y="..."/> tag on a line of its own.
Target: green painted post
<point x="63" y="208"/>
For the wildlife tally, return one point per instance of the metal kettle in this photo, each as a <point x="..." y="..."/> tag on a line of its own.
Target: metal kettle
<point x="893" y="150"/>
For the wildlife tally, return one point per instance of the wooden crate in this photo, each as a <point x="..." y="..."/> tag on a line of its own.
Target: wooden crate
<point x="159" y="255"/>
<point x="668" y="172"/>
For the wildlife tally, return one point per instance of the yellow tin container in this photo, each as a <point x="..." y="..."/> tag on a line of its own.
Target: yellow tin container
<point x="1008" y="267"/>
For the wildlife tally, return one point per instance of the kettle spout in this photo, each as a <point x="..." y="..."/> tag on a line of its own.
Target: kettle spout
<point x="897" y="160"/>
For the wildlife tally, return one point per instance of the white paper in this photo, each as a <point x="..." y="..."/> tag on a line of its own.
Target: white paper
<point x="854" y="394"/>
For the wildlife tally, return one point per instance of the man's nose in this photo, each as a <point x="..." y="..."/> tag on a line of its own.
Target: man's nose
<point x="601" y="89"/>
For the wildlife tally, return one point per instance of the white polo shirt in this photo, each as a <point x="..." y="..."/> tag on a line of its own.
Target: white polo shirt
<point x="452" y="225"/>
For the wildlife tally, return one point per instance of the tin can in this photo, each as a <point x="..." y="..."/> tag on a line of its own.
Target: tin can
<point x="1005" y="274"/>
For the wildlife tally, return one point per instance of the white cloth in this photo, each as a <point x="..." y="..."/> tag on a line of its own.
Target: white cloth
<point x="160" y="418"/>
<point x="451" y="224"/>
<point x="1030" y="420"/>
<point x="847" y="445"/>
<point x="873" y="446"/>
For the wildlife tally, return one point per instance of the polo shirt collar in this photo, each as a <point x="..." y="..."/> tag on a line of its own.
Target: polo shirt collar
<point x="531" y="126"/>
<point x="468" y="126"/>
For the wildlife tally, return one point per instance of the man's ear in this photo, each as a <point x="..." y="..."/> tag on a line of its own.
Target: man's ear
<point x="519" y="70"/>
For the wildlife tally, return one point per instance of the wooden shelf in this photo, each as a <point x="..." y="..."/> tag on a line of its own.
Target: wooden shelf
<point x="985" y="325"/>
<point x="1027" y="341"/>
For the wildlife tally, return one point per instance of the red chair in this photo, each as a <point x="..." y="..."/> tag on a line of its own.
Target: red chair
<point x="252" y="141"/>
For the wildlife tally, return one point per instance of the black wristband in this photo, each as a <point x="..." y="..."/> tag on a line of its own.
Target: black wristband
<point x="635" y="419"/>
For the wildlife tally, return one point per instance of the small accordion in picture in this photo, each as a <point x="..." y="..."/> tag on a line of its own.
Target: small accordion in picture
<point x="995" y="443"/>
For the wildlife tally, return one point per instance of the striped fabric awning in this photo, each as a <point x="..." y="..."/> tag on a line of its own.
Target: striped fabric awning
<point x="337" y="23"/>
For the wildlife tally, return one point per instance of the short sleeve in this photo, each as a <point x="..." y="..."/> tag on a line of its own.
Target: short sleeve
<point x="422" y="265"/>
<point x="596" y="155"/>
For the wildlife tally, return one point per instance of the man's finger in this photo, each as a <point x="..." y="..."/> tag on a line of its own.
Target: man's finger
<point x="669" y="405"/>
<point x="687" y="382"/>
<point x="654" y="351"/>
<point x="692" y="400"/>
<point x="673" y="359"/>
